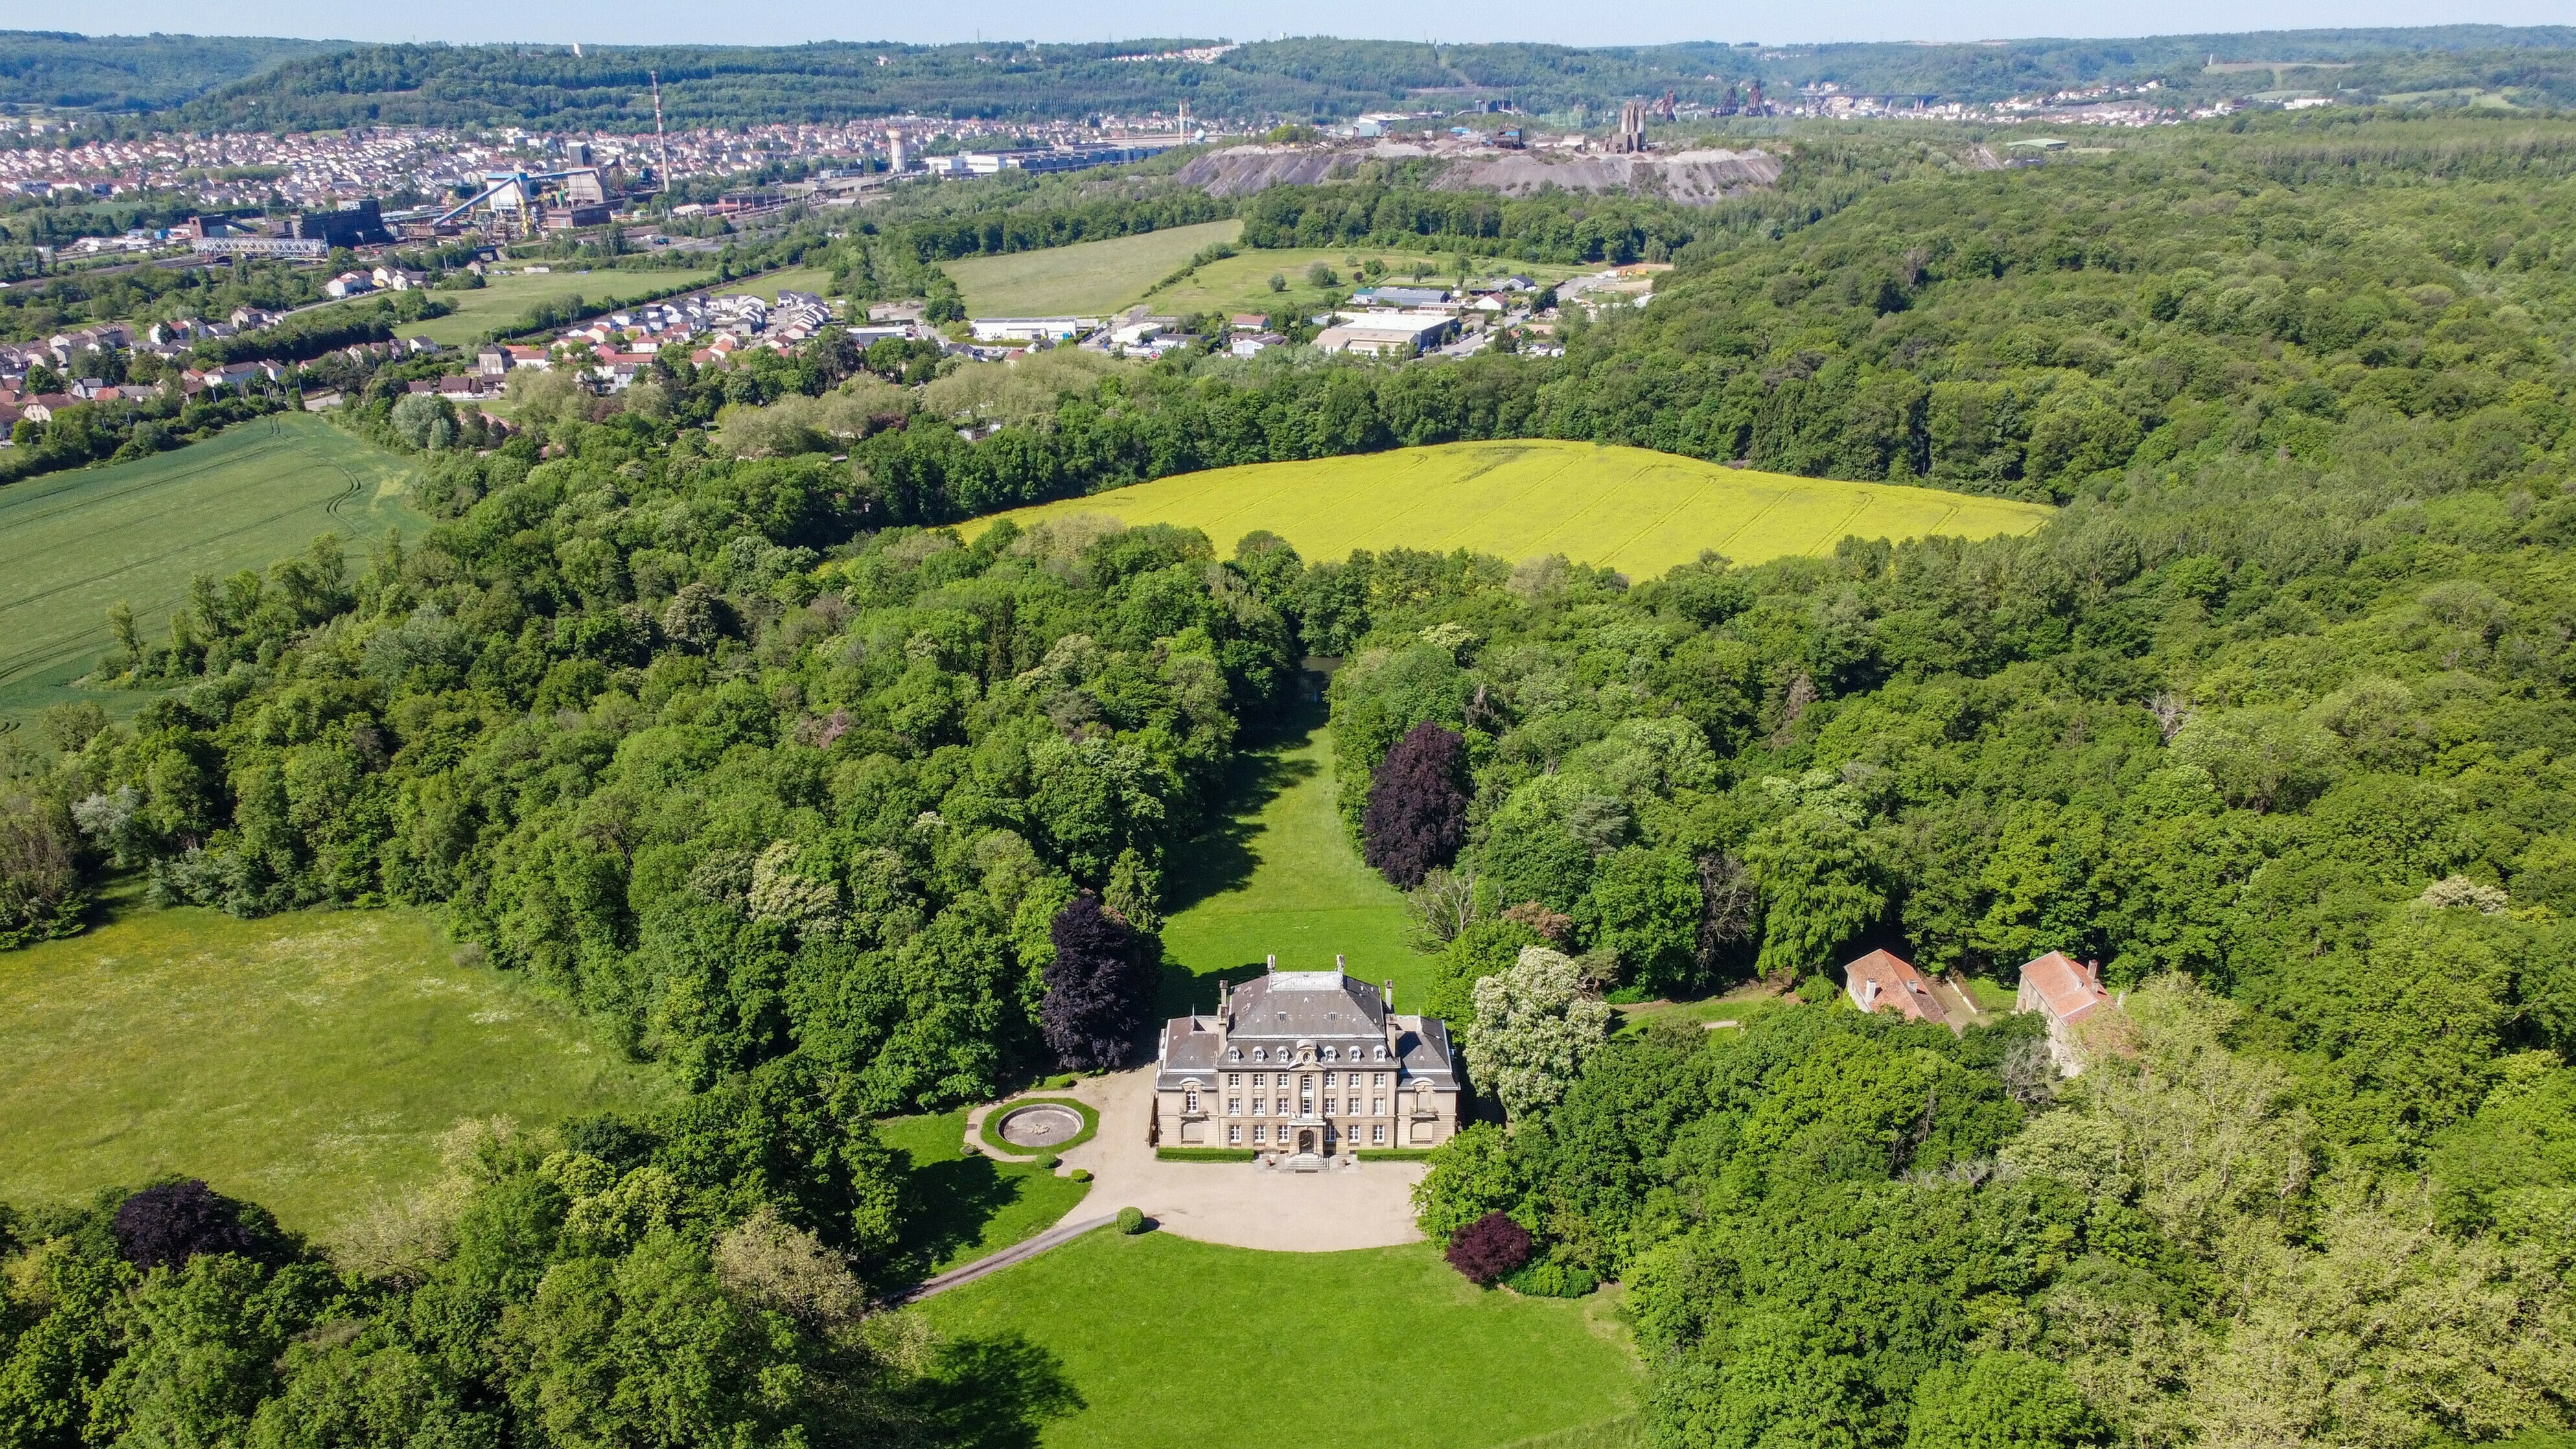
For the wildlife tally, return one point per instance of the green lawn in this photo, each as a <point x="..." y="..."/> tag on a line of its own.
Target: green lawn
<point x="1086" y="279"/>
<point x="1166" y="1340"/>
<point x="1637" y="511"/>
<point x="308" y="1061"/>
<point x="1241" y="283"/>
<point x="970" y="1206"/>
<point x="71" y="544"/>
<point x="1278" y="875"/>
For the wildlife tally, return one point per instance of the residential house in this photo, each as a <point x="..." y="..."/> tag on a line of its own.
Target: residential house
<point x="1885" y="981"/>
<point x="349" y="284"/>
<point x="2064" y="992"/>
<point x="1255" y="343"/>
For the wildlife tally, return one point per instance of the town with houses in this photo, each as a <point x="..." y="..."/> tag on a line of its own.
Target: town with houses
<point x="363" y="194"/>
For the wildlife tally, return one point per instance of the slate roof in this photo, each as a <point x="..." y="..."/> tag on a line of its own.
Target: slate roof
<point x="1316" y="1006"/>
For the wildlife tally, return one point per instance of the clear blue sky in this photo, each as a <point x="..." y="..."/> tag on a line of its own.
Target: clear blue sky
<point x="1630" y="22"/>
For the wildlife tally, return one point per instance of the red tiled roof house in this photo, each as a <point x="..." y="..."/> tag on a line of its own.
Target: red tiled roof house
<point x="2065" y="992"/>
<point x="1885" y="981"/>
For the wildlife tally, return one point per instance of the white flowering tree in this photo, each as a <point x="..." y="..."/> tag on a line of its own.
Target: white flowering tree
<point x="1534" y="1028"/>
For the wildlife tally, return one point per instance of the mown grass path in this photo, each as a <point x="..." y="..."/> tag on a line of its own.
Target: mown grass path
<point x="1278" y="875"/>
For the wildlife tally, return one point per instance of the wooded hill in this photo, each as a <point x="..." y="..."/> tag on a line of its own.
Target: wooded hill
<point x="59" y="70"/>
<point x="606" y="87"/>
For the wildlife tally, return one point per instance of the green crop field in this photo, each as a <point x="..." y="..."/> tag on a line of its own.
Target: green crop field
<point x="71" y="544"/>
<point x="1241" y="283"/>
<point x="1087" y="279"/>
<point x="1626" y="508"/>
<point x="1278" y="875"/>
<point x="1167" y="1342"/>
<point x="308" y="1061"/>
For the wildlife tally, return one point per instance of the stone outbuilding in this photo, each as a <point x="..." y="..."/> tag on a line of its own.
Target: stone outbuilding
<point x="2065" y="992"/>
<point x="1885" y="981"/>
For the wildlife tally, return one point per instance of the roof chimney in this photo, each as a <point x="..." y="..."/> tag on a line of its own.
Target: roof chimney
<point x="1869" y="993"/>
<point x="1340" y="965"/>
<point x="1274" y="960"/>
<point x="1386" y="993"/>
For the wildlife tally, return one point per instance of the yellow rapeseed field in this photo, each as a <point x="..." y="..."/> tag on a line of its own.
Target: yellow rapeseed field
<point x="1631" y="509"/>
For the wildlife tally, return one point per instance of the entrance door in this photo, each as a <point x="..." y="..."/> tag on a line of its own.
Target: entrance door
<point x="1306" y="1140"/>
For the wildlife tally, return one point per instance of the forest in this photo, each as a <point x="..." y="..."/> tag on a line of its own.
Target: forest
<point x="689" y="711"/>
<point x="1317" y="78"/>
<point x="63" y="71"/>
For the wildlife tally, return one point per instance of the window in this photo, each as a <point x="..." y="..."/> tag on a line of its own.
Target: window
<point x="1234" y="1132"/>
<point x="1190" y="1102"/>
<point x="1328" y="1081"/>
<point x="1259" y="1104"/>
<point x="1234" y="1081"/>
<point x="1377" y="1132"/>
<point x="1234" y="1106"/>
<point x="1257" y="1082"/>
<point x="1305" y="1105"/>
<point x="1306" y="1083"/>
<point x="1377" y="1106"/>
<point x="1379" y="1080"/>
<point x="1260" y="1133"/>
<point x="1328" y="1107"/>
<point x="1330" y="1053"/>
<point x="1381" y="1053"/>
<point x="1238" y="1054"/>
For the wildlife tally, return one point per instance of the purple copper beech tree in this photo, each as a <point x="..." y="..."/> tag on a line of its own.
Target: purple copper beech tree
<point x="1097" y="986"/>
<point x="1417" y="806"/>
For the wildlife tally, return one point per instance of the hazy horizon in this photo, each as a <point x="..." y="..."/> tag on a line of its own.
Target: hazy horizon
<point x="646" y="22"/>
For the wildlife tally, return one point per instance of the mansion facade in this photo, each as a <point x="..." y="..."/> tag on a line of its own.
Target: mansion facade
<point x="1304" y="1065"/>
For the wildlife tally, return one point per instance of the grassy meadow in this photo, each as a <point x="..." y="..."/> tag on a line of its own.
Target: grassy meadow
<point x="1630" y="509"/>
<point x="73" y="543"/>
<point x="307" y="1062"/>
<point x="1278" y="875"/>
<point x="1165" y="1340"/>
<point x="1087" y="279"/>
<point x="970" y="1205"/>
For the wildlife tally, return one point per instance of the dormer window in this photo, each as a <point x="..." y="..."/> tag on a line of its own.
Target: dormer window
<point x="1381" y="1051"/>
<point x="1257" y="1054"/>
<point x="1237" y="1053"/>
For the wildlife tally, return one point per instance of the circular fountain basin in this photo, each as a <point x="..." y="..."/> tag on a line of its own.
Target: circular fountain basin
<point x="1041" y="1125"/>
